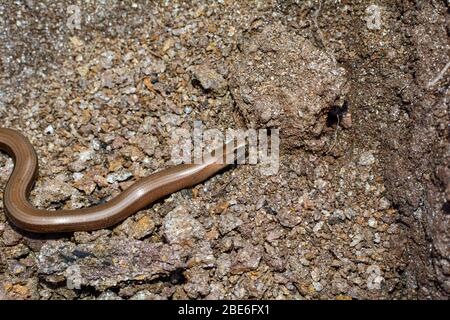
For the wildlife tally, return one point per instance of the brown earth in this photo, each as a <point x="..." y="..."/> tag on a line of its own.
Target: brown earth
<point x="359" y="207"/>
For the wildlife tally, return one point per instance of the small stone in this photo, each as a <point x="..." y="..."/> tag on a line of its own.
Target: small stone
<point x="337" y="217"/>
<point x="10" y="236"/>
<point x="180" y="226"/>
<point x="84" y="182"/>
<point x="315" y="274"/>
<point x="129" y="90"/>
<point x="339" y="285"/>
<point x="154" y="67"/>
<point x="289" y="218"/>
<point x="54" y="191"/>
<point x="226" y="244"/>
<point x="321" y="185"/>
<point x="148" y="144"/>
<point x="317" y="286"/>
<point x="77" y="176"/>
<point x="16" y="268"/>
<point x="349" y="213"/>
<point x="318" y="226"/>
<point x="372" y="223"/>
<point x="229" y="222"/>
<point x="49" y="130"/>
<point x="143" y="227"/>
<point x="217" y="291"/>
<point x="118" y="176"/>
<point x="247" y="259"/>
<point x="168" y="44"/>
<point x="340" y="214"/>
<point x="274" y="235"/>
<point x="85" y="155"/>
<point x="83" y="70"/>
<point x="209" y="79"/>
<point x="198" y="283"/>
<point x="107" y="79"/>
<point x="274" y="258"/>
<point x="356" y="239"/>
<point x="260" y="203"/>
<point x="20" y="291"/>
<point x="202" y="256"/>
<point x="76" y="42"/>
<point x="304" y="261"/>
<point x="18" y="251"/>
<point x="384" y="204"/>
<point x="107" y="59"/>
<point x="366" y="159"/>
<point x="223" y="265"/>
<point x="376" y="238"/>
<point x="347" y="120"/>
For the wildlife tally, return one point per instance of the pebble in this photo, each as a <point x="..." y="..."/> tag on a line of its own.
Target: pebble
<point x="209" y="79"/>
<point x="317" y="286"/>
<point x="347" y="120"/>
<point x="372" y="223"/>
<point x="142" y="228"/>
<point x="315" y="274"/>
<point x="229" y="222"/>
<point x="18" y="251"/>
<point x="274" y="235"/>
<point x="384" y="204"/>
<point x="366" y="159"/>
<point x="179" y="226"/>
<point x="349" y="213"/>
<point x="118" y="176"/>
<point x="376" y="238"/>
<point x="318" y="226"/>
<point x="108" y="58"/>
<point x="247" y="259"/>
<point x="49" y="130"/>
<point x="10" y="236"/>
<point x="356" y="240"/>
<point x="198" y="283"/>
<point x="223" y="265"/>
<point x="337" y="217"/>
<point x="203" y="256"/>
<point x="16" y="268"/>
<point x="289" y="218"/>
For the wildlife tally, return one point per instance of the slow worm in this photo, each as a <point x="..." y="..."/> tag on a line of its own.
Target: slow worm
<point x="139" y="195"/>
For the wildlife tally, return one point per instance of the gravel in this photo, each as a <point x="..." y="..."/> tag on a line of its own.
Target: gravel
<point x="356" y="210"/>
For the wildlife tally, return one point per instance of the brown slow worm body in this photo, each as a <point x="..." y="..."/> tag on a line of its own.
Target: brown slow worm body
<point x="139" y="195"/>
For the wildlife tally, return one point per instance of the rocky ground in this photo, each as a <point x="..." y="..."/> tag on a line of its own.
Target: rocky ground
<point x="359" y="208"/>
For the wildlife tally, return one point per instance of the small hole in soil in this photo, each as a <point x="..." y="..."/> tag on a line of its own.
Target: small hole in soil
<point x="197" y="84"/>
<point x="446" y="207"/>
<point x="177" y="276"/>
<point x="335" y="114"/>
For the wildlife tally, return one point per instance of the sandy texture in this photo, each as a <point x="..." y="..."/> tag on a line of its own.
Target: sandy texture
<point x="359" y="207"/>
